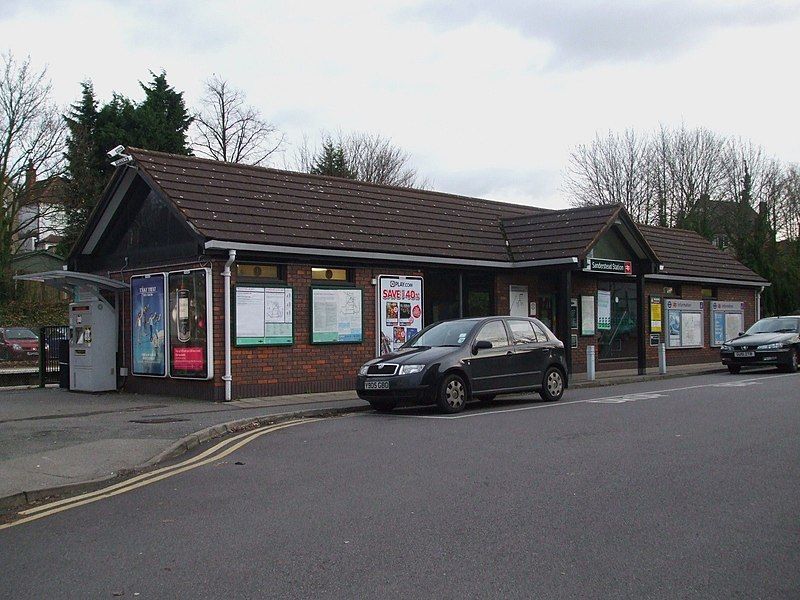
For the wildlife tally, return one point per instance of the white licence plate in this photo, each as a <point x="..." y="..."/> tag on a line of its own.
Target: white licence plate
<point x="376" y="385"/>
<point x="744" y="354"/>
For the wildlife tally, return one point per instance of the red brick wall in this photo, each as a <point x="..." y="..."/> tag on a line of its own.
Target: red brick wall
<point x="304" y="367"/>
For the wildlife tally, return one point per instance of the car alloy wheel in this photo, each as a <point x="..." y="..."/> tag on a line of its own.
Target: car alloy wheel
<point x="792" y="366"/>
<point x="553" y="385"/>
<point x="453" y="394"/>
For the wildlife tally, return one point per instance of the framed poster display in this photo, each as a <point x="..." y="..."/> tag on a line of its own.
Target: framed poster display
<point x="727" y="321"/>
<point x="684" y="323"/>
<point x="587" y="315"/>
<point x="337" y="315"/>
<point x="148" y="325"/>
<point x="656" y="315"/>
<point x="191" y="350"/>
<point x="399" y="311"/>
<point x="518" y="300"/>
<point x="603" y="310"/>
<point x="264" y="315"/>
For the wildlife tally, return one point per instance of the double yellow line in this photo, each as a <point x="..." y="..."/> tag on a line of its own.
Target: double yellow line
<point x="216" y="452"/>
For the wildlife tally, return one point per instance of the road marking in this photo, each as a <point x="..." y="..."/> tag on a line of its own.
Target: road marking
<point x="744" y="383"/>
<point x="627" y="398"/>
<point x="585" y="401"/>
<point x="212" y="454"/>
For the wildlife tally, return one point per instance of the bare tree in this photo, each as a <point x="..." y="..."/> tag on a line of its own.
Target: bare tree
<point x="369" y="157"/>
<point x="613" y="170"/>
<point x="32" y="136"/>
<point x="226" y="128"/>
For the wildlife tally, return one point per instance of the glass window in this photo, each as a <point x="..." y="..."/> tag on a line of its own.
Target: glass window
<point x="541" y="336"/>
<point x="522" y="332"/>
<point x="328" y="274"/>
<point x="448" y="333"/>
<point x="708" y="292"/>
<point x="441" y="295"/>
<point x="478" y="298"/>
<point x="257" y="272"/>
<point x="495" y="332"/>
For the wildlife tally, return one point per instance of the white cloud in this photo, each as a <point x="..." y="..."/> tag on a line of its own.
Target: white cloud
<point x="478" y="103"/>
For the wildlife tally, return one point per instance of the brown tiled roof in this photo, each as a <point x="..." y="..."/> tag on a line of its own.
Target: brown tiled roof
<point x="240" y="203"/>
<point x="558" y="233"/>
<point x="688" y="254"/>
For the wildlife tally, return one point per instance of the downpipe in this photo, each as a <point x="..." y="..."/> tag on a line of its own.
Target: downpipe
<point x="226" y="277"/>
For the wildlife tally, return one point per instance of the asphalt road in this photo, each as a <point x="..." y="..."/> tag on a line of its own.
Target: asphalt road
<point x="686" y="488"/>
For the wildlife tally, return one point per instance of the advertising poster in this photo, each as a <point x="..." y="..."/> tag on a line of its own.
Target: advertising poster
<point x="190" y="324"/>
<point x="603" y="310"/>
<point x="655" y="314"/>
<point x="399" y="311"/>
<point x="336" y="316"/>
<point x="674" y="328"/>
<point x="264" y="316"/>
<point x="587" y="315"/>
<point x="518" y="300"/>
<point x="148" y="339"/>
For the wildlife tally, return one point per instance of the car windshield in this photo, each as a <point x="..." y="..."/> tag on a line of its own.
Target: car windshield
<point x="20" y="334"/>
<point x="446" y="333"/>
<point x="775" y="326"/>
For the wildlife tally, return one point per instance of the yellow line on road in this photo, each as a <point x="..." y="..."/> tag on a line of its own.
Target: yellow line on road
<point x="205" y="458"/>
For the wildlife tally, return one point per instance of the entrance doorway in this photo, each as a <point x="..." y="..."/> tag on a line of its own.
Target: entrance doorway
<point x="620" y="342"/>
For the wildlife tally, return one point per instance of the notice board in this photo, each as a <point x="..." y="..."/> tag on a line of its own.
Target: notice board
<point x="337" y="315"/>
<point x="264" y="316"/>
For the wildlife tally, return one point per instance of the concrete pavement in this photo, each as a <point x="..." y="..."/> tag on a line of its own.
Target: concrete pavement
<point x="54" y="442"/>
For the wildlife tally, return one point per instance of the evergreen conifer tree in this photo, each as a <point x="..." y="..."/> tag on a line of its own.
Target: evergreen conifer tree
<point x="330" y="160"/>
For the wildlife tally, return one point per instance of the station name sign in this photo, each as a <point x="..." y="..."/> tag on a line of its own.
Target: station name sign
<point x="605" y="265"/>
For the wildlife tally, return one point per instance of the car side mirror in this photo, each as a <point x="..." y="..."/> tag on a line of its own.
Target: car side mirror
<point x="481" y="345"/>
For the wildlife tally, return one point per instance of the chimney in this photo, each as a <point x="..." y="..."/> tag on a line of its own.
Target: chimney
<point x="30" y="181"/>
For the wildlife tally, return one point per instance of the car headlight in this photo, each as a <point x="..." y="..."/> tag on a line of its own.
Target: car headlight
<point x="363" y="370"/>
<point x="16" y="347"/>
<point x="410" y="369"/>
<point x="726" y="348"/>
<point x="776" y="346"/>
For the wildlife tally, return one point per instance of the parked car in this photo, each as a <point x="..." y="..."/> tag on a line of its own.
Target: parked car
<point x="18" y="343"/>
<point x="451" y="362"/>
<point x="771" y="341"/>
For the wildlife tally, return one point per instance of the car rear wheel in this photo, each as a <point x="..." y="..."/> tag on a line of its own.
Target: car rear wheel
<point x="734" y="369"/>
<point x="552" y="385"/>
<point x="453" y="394"/>
<point x="383" y="406"/>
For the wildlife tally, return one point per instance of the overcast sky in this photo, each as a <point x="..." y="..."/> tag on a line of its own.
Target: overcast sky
<point x="488" y="96"/>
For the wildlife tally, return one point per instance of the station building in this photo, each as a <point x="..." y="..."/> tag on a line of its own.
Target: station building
<point x="244" y="281"/>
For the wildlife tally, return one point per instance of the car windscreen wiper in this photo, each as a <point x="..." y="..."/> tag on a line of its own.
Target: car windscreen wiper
<point x="785" y="331"/>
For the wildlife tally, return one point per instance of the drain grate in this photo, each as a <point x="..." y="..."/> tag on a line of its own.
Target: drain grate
<point x="156" y="420"/>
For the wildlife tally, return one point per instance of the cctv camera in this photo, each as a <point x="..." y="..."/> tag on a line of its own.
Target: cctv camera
<point x="121" y="161"/>
<point x="116" y="151"/>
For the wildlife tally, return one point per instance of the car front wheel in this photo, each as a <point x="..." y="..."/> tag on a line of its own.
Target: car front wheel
<point x="453" y="394"/>
<point x="793" y="360"/>
<point x="552" y="385"/>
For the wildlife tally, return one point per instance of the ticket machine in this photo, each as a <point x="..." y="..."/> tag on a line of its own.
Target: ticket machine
<point x="92" y="346"/>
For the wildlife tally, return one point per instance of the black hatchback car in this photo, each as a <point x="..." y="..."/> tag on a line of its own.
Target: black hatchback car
<point x="450" y="362"/>
<point x="771" y="341"/>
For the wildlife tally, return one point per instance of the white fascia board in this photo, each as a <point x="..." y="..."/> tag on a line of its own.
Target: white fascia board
<point x="736" y="282"/>
<point x="245" y="247"/>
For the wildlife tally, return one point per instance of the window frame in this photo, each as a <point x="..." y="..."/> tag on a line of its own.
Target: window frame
<point x="488" y="323"/>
